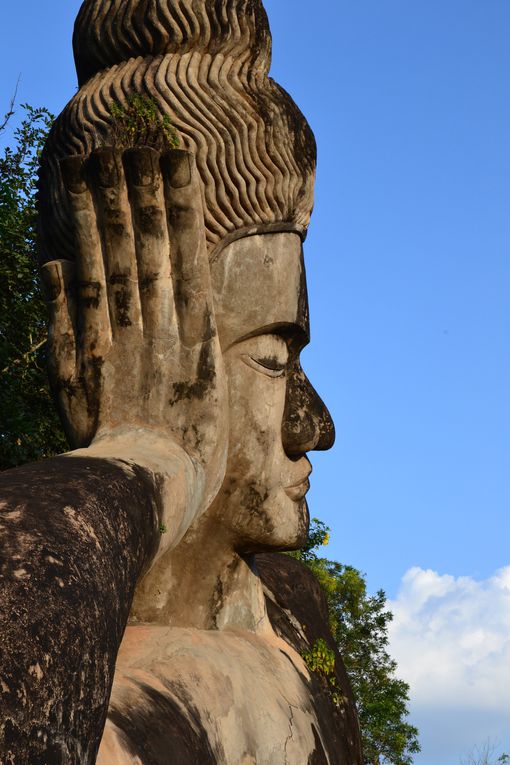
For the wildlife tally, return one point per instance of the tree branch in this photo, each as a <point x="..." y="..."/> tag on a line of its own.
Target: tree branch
<point x="25" y="356"/>
<point x="11" y="106"/>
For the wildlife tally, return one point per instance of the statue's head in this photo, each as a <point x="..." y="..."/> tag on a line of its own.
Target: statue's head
<point x="205" y="64"/>
<point x="276" y="416"/>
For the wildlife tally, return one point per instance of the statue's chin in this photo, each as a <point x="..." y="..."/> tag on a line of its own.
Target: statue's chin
<point x="279" y="524"/>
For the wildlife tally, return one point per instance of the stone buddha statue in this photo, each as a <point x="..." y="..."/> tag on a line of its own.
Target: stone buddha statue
<point x="143" y="565"/>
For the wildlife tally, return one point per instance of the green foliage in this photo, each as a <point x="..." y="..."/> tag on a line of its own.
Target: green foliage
<point x="140" y="123"/>
<point x="321" y="660"/>
<point x="318" y="536"/>
<point x="163" y="528"/>
<point x="29" y="428"/>
<point x="359" y="623"/>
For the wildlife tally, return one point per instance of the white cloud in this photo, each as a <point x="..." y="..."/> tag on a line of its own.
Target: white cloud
<point x="451" y="639"/>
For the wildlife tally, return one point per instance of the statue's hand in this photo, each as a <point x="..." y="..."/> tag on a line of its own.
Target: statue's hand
<point x="133" y="347"/>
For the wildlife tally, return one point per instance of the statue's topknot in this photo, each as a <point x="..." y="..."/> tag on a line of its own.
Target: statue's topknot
<point x="108" y="32"/>
<point x="205" y="64"/>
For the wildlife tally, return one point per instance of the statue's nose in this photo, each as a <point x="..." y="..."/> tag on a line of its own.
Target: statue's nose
<point x="307" y="424"/>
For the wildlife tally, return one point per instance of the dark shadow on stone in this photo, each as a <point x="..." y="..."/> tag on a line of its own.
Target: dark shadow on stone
<point x="162" y="731"/>
<point x="293" y="593"/>
<point x="319" y="756"/>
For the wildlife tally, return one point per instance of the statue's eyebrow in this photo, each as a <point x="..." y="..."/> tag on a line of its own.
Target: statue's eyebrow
<point x="292" y="333"/>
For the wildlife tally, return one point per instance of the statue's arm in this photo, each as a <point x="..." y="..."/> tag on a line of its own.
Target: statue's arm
<point x="137" y="373"/>
<point x="75" y="534"/>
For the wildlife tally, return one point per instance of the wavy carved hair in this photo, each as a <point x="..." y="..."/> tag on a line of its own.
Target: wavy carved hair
<point x="205" y="63"/>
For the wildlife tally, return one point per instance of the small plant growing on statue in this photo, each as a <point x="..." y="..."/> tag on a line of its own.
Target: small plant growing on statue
<point x="321" y="660"/>
<point x="163" y="528"/>
<point x="140" y="123"/>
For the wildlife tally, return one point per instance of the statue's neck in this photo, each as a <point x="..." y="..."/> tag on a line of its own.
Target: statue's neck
<point x="204" y="584"/>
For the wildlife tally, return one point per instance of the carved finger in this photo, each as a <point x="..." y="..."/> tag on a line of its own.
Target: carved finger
<point x="93" y="324"/>
<point x="58" y="277"/>
<point x="145" y="187"/>
<point x="192" y="281"/>
<point x="106" y="176"/>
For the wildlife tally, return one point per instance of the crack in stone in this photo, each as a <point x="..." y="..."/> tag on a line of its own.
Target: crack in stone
<point x="289" y="737"/>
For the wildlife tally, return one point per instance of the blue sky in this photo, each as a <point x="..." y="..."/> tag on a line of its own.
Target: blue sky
<point x="409" y="271"/>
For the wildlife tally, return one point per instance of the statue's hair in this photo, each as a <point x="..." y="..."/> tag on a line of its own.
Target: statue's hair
<point x="205" y="63"/>
<point x="108" y="32"/>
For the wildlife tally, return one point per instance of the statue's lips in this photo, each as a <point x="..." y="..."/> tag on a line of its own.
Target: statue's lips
<point x="298" y="491"/>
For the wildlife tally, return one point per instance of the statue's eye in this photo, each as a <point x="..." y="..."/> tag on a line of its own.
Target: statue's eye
<point x="271" y="365"/>
<point x="267" y="354"/>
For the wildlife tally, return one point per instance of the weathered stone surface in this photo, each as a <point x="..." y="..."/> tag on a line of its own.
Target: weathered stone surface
<point x="75" y="535"/>
<point x="206" y="65"/>
<point x="231" y="697"/>
<point x="234" y="696"/>
<point x="178" y="311"/>
<point x="298" y="612"/>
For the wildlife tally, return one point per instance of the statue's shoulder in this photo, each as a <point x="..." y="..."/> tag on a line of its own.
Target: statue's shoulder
<point x="298" y="610"/>
<point x="296" y="602"/>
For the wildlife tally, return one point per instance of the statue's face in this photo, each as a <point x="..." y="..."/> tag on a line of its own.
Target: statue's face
<point x="275" y="415"/>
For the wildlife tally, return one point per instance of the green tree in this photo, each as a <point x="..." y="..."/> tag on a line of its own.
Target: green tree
<point x="359" y="623"/>
<point x="29" y="427"/>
